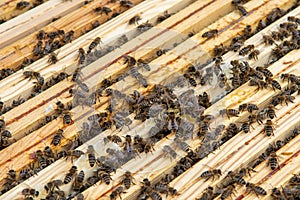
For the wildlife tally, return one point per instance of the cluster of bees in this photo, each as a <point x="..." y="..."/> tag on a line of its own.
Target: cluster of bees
<point x="5" y="135"/>
<point x="166" y="108"/>
<point x="289" y="191"/>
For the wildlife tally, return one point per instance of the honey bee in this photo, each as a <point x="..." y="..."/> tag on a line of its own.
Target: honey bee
<point x="81" y="56"/>
<point x="269" y="128"/>
<point x="68" y="37"/>
<point x="134" y="19"/>
<point x="273" y="83"/>
<point x="211" y="174"/>
<point x="265" y="71"/>
<point x="91" y="155"/>
<point x="244" y="51"/>
<point x="229" y="113"/>
<point x="273" y="160"/>
<point x="227" y="192"/>
<point x="242" y="10"/>
<point x="220" y="50"/>
<point x="83" y="86"/>
<point x="246" y="127"/>
<point x="50" y="186"/>
<point x="261" y="25"/>
<point x="160" y="52"/>
<point x="102" y="10"/>
<point x="57" y="137"/>
<point x="127" y="179"/>
<point x="104" y="176"/>
<point x="291" y="78"/>
<point x="95" y="43"/>
<point x="52" y="58"/>
<point x="168" y="150"/>
<point x="207" y="194"/>
<point x="78" y="183"/>
<point x="22" y="4"/>
<point x="30" y="192"/>
<point x="163" y="17"/>
<point x="182" y="145"/>
<point x="210" y="34"/>
<point x="259" y="83"/>
<point x="70" y="175"/>
<point x="271" y="111"/>
<point x="41" y="35"/>
<point x="247" y="32"/>
<point x="74" y="154"/>
<point x="117" y="192"/>
<point x="250" y="187"/>
<point x="254" y="54"/>
<point x="144" y="26"/>
<point x="129" y="60"/>
<point x="144" y="64"/>
<point x="142" y="80"/>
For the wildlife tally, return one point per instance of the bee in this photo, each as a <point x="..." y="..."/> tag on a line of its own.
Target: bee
<point x="81" y="56"/>
<point x="95" y="43"/>
<point x="127" y="179"/>
<point x="52" y="58"/>
<point x="268" y="40"/>
<point x="210" y="34"/>
<point x="223" y="82"/>
<point x="70" y="175"/>
<point x="273" y="161"/>
<point x="256" y="189"/>
<point x="57" y="137"/>
<point x="163" y="17"/>
<point x="27" y="192"/>
<point x="244" y="51"/>
<point x="208" y="193"/>
<point x="242" y="10"/>
<point x="126" y="4"/>
<point x="265" y="71"/>
<point x="114" y="138"/>
<point x="68" y="37"/>
<point x="76" y="75"/>
<point x="229" y="112"/>
<point x="144" y="64"/>
<point x="134" y="19"/>
<point x="246" y="127"/>
<point x="160" y="52"/>
<point x="182" y="145"/>
<point x="102" y="10"/>
<point x="259" y="83"/>
<point x="83" y="86"/>
<point x="247" y="31"/>
<point x="78" y="183"/>
<point x="211" y="174"/>
<point x="37" y="49"/>
<point x="50" y="186"/>
<point x="271" y="111"/>
<point x="220" y="50"/>
<point x="104" y="176"/>
<point x="269" y="128"/>
<point x="261" y="25"/>
<point x="74" y="154"/>
<point x="292" y="78"/>
<point x="144" y="26"/>
<point x="274" y="83"/>
<point x="117" y="192"/>
<point x="293" y="19"/>
<point x="91" y="155"/>
<point x="41" y="35"/>
<point x="227" y="192"/>
<point x="254" y="54"/>
<point x="22" y="4"/>
<point x="129" y="60"/>
<point x="142" y="80"/>
<point x="168" y="150"/>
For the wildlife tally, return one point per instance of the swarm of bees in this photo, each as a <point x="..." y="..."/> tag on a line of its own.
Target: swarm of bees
<point x="163" y="106"/>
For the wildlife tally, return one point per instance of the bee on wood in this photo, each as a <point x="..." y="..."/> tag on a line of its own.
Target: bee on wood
<point x="269" y="127"/>
<point x="259" y="83"/>
<point x="127" y="179"/>
<point x="50" y="186"/>
<point x="68" y="37"/>
<point x="117" y="192"/>
<point x="242" y="10"/>
<point x="250" y="187"/>
<point x="210" y="34"/>
<point x="246" y="127"/>
<point x="182" y="145"/>
<point x="168" y="150"/>
<point x="83" y="86"/>
<point x="129" y="60"/>
<point x="38" y="49"/>
<point x="81" y="56"/>
<point x="142" y="80"/>
<point x="144" y="64"/>
<point x="57" y="137"/>
<point x="70" y="175"/>
<point x="126" y="4"/>
<point x="229" y="112"/>
<point x="91" y="155"/>
<point x="273" y="160"/>
<point x="254" y="54"/>
<point x="294" y="19"/>
<point x="52" y="58"/>
<point x="163" y="17"/>
<point x="114" y="138"/>
<point x="95" y="43"/>
<point x="160" y="52"/>
<point x="22" y="4"/>
<point x="220" y="50"/>
<point x="244" y="51"/>
<point x="291" y="78"/>
<point x="78" y="183"/>
<point x="134" y="19"/>
<point x="76" y="75"/>
<point x="227" y="192"/>
<point x="30" y="192"/>
<point x="104" y="176"/>
<point x="247" y="32"/>
<point x="268" y="40"/>
<point x="101" y="10"/>
<point x="144" y="26"/>
<point x="265" y="71"/>
<point x="41" y="35"/>
<point x="271" y="111"/>
<point x="273" y="83"/>
<point x="211" y="174"/>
